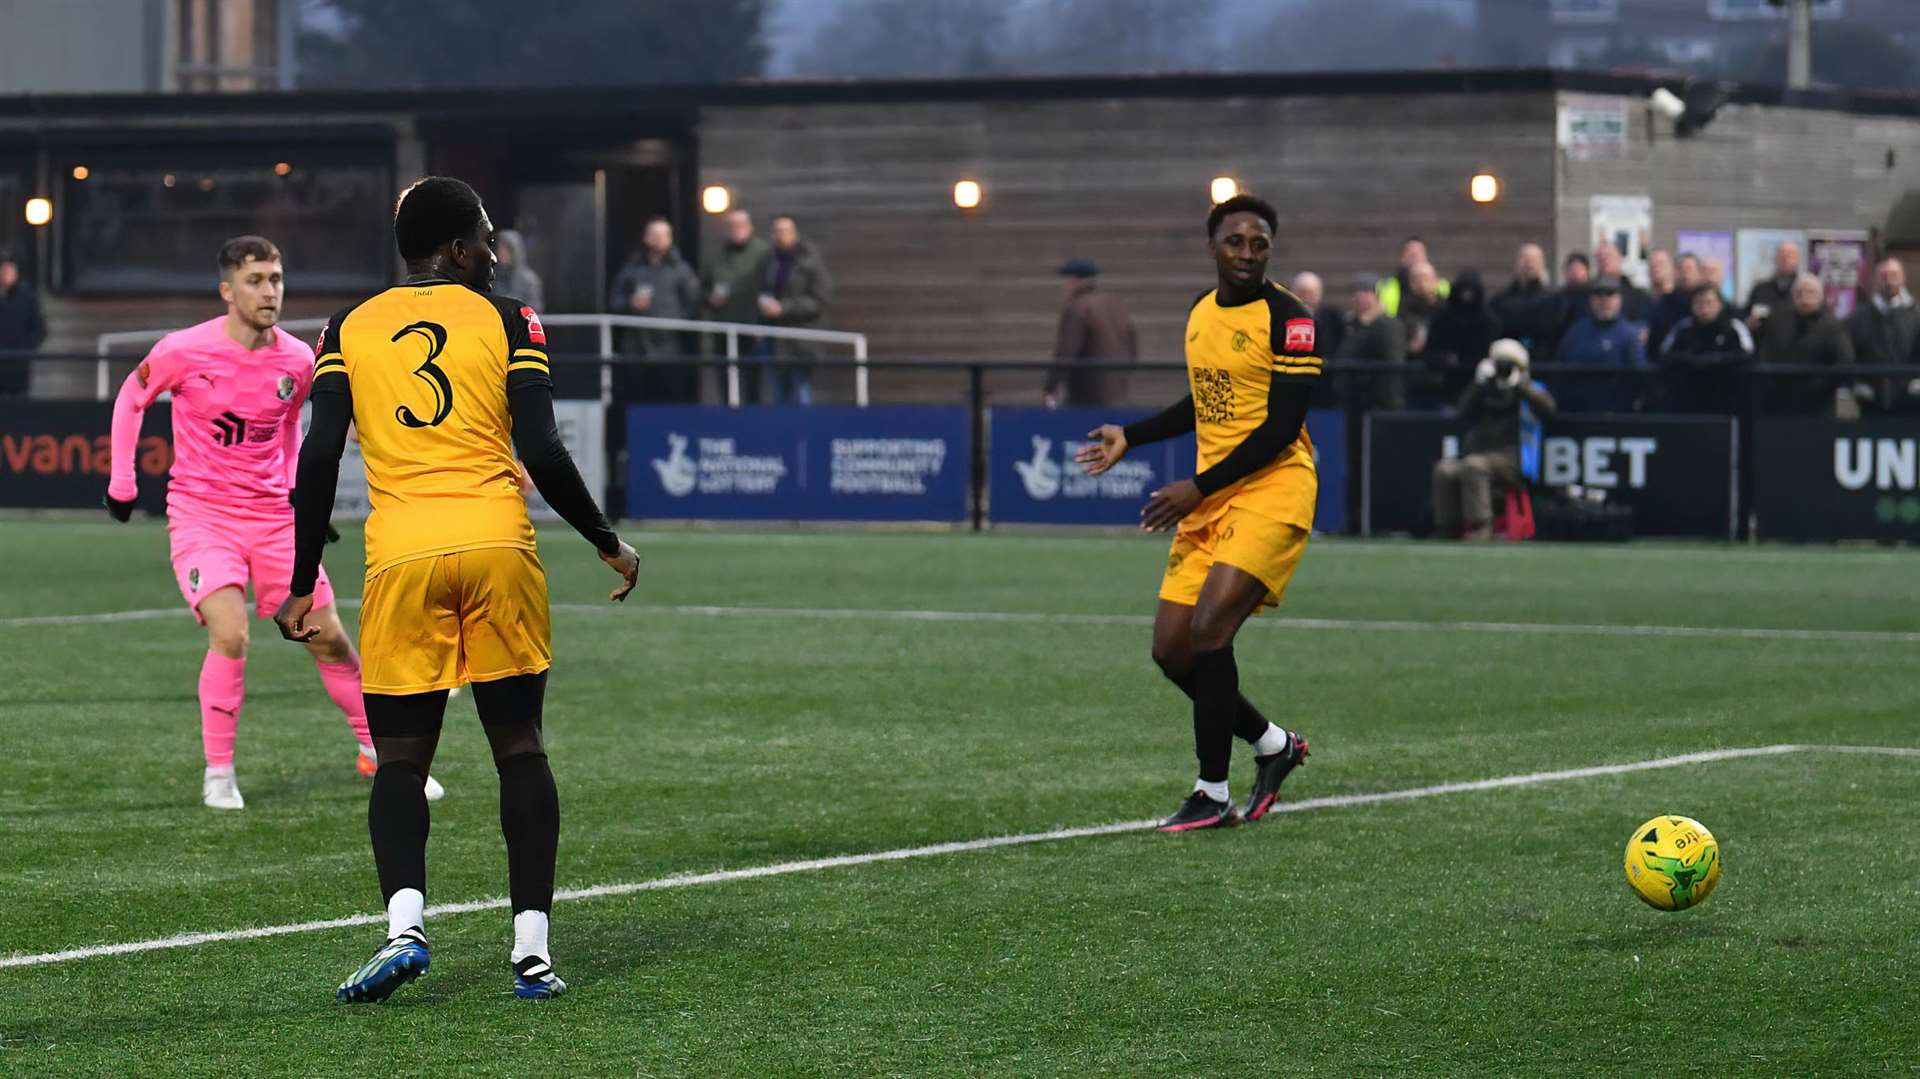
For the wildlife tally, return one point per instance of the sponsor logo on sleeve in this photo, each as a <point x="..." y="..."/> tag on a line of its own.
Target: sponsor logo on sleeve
<point x="1299" y="336"/>
<point x="144" y="372"/>
<point x="320" y="346"/>
<point x="535" y="332"/>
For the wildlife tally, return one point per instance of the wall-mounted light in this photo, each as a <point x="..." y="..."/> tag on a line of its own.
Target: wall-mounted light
<point x="39" y="210"/>
<point x="282" y="168"/>
<point x="967" y="194"/>
<point x="206" y="183"/>
<point x="169" y="180"/>
<point x="81" y="172"/>
<point x="1223" y="188"/>
<point x="715" y="199"/>
<point x="1483" y="188"/>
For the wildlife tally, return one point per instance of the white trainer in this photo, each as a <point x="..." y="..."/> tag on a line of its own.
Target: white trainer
<point x="435" y="791"/>
<point x="219" y="791"/>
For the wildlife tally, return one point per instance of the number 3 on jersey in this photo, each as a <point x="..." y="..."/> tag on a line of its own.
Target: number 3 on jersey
<point x="435" y="337"/>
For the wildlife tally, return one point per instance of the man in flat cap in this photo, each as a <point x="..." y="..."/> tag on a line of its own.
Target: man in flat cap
<point x="1095" y="330"/>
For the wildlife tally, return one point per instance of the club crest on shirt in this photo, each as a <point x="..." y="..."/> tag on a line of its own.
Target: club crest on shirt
<point x="1241" y="340"/>
<point x="1299" y="335"/>
<point x="193" y="580"/>
<point x="285" y="389"/>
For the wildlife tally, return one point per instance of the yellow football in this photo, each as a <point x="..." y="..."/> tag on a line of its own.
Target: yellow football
<point x="1673" y="862"/>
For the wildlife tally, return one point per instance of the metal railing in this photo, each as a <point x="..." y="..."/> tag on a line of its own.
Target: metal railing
<point x="731" y="332"/>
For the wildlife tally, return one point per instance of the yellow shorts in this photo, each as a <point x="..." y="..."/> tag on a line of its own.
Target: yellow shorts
<point x="437" y="622"/>
<point x="1264" y="547"/>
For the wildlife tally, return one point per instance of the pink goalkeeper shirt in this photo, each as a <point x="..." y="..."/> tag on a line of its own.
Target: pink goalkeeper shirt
<point x="236" y="420"/>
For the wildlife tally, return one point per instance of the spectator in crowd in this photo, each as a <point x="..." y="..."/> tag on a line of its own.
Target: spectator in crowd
<point x="1464" y="329"/>
<point x="1776" y="292"/>
<point x="1674" y="306"/>
<point x="1370" y="334"/>
<point x="22" y="328"/>
<point x="1603" y="339"/>
<point x="730" y="286"/>
<point x="1660" y="273"/>
<point x="1704" y="353"/>
<point x="796" y="291"/>
<point x="1576" y="286"/>
<point x="1419" y="303"/>
<point x="1714" y="272"/>
<point x="514" y="276"/>
<point x="656" y="282"/>
<point x="1808" y="334"/>
<point x="1413" y="252"/>
<point x="1094" y="329"/>
<point x="1528" y="309"/>
<point x="1885" y="328"/>
<point x="1502" y="402"/>
<point x="1327" y="325"/>
<point x="1635" y="304"/>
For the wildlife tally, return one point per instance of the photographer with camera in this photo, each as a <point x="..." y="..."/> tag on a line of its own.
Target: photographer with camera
<point x="1501" y="404"/>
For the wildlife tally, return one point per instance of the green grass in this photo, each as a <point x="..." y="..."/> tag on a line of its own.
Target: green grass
<point x="1472" y="934"/>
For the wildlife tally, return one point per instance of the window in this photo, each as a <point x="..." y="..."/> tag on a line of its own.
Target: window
<point x="150" y="218"/>
<point x="1732" y="10"/>
<point x="1585" y="11"/>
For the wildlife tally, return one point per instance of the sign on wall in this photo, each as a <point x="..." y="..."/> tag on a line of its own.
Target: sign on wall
<point x="798" y="464"/>
<point x="1592" y="128"/>
<point x="1032" y="477"/>
<point x="1626" y="222"/>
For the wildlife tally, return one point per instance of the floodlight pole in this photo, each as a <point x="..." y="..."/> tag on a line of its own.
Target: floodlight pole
<point x="1799" y="44"/>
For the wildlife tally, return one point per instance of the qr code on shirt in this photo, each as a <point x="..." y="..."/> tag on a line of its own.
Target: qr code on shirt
<point x="1212" y="395"/>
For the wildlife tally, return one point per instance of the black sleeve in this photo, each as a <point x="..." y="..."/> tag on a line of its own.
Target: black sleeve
<point x="1175" y="420"/>
<point x="1287" y="399"/>
<point x="536" y="439"/>
<point x="319" y="474"/>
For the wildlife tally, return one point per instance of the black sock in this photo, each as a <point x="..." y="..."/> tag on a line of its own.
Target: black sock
<point x="530" y="820"/>
<point x="397" y="820"/>
<point x="1248" y="724"/>
<point x="1216" y="697"/>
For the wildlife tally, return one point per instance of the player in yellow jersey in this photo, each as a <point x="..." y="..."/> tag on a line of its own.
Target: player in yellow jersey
<point x="443" y="382"/>
<point x="1241" y="523"/>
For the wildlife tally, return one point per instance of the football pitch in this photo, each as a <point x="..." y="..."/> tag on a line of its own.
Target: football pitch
<point x="775" y="762"/>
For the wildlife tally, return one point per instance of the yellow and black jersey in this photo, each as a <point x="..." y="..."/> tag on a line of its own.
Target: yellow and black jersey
<point x="427" y="365"/>
<point x="1238" y="358"/>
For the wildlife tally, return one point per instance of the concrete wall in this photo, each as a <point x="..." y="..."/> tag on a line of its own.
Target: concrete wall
<point x="1123" y="182"/>
<point x="1753" y="167"/>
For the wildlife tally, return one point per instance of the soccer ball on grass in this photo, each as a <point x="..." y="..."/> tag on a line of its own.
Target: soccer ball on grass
<point x="1673" y="862"/>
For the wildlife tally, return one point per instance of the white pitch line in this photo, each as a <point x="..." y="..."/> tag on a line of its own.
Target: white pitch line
<point x="1054" y="618"/>
<point x="694" y="880"/>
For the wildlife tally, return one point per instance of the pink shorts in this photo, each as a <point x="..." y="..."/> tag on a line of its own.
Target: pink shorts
<point x="211" y="555"/>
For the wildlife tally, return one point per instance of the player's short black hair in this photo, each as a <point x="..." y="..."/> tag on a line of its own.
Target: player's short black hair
<point x="1581" y="258"/>
<point x="434" y="211"/>
<point x="1243" y="204"/>
<point x="236" y="252"/>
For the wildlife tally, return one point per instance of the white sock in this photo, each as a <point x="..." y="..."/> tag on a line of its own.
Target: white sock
<point x="1215" y="791"/>
<point x="530" y="935"/>
<point x="1274" y="741"/>
<point x="406" y="910"/>
<point x="216" y="771"/>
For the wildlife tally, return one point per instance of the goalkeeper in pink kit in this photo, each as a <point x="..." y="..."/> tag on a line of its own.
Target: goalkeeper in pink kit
<point x="237" y="384"/>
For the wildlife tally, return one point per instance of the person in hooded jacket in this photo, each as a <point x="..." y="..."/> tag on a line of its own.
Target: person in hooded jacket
<point x="514" y="276"/>
<point x="1460" y="334"/>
